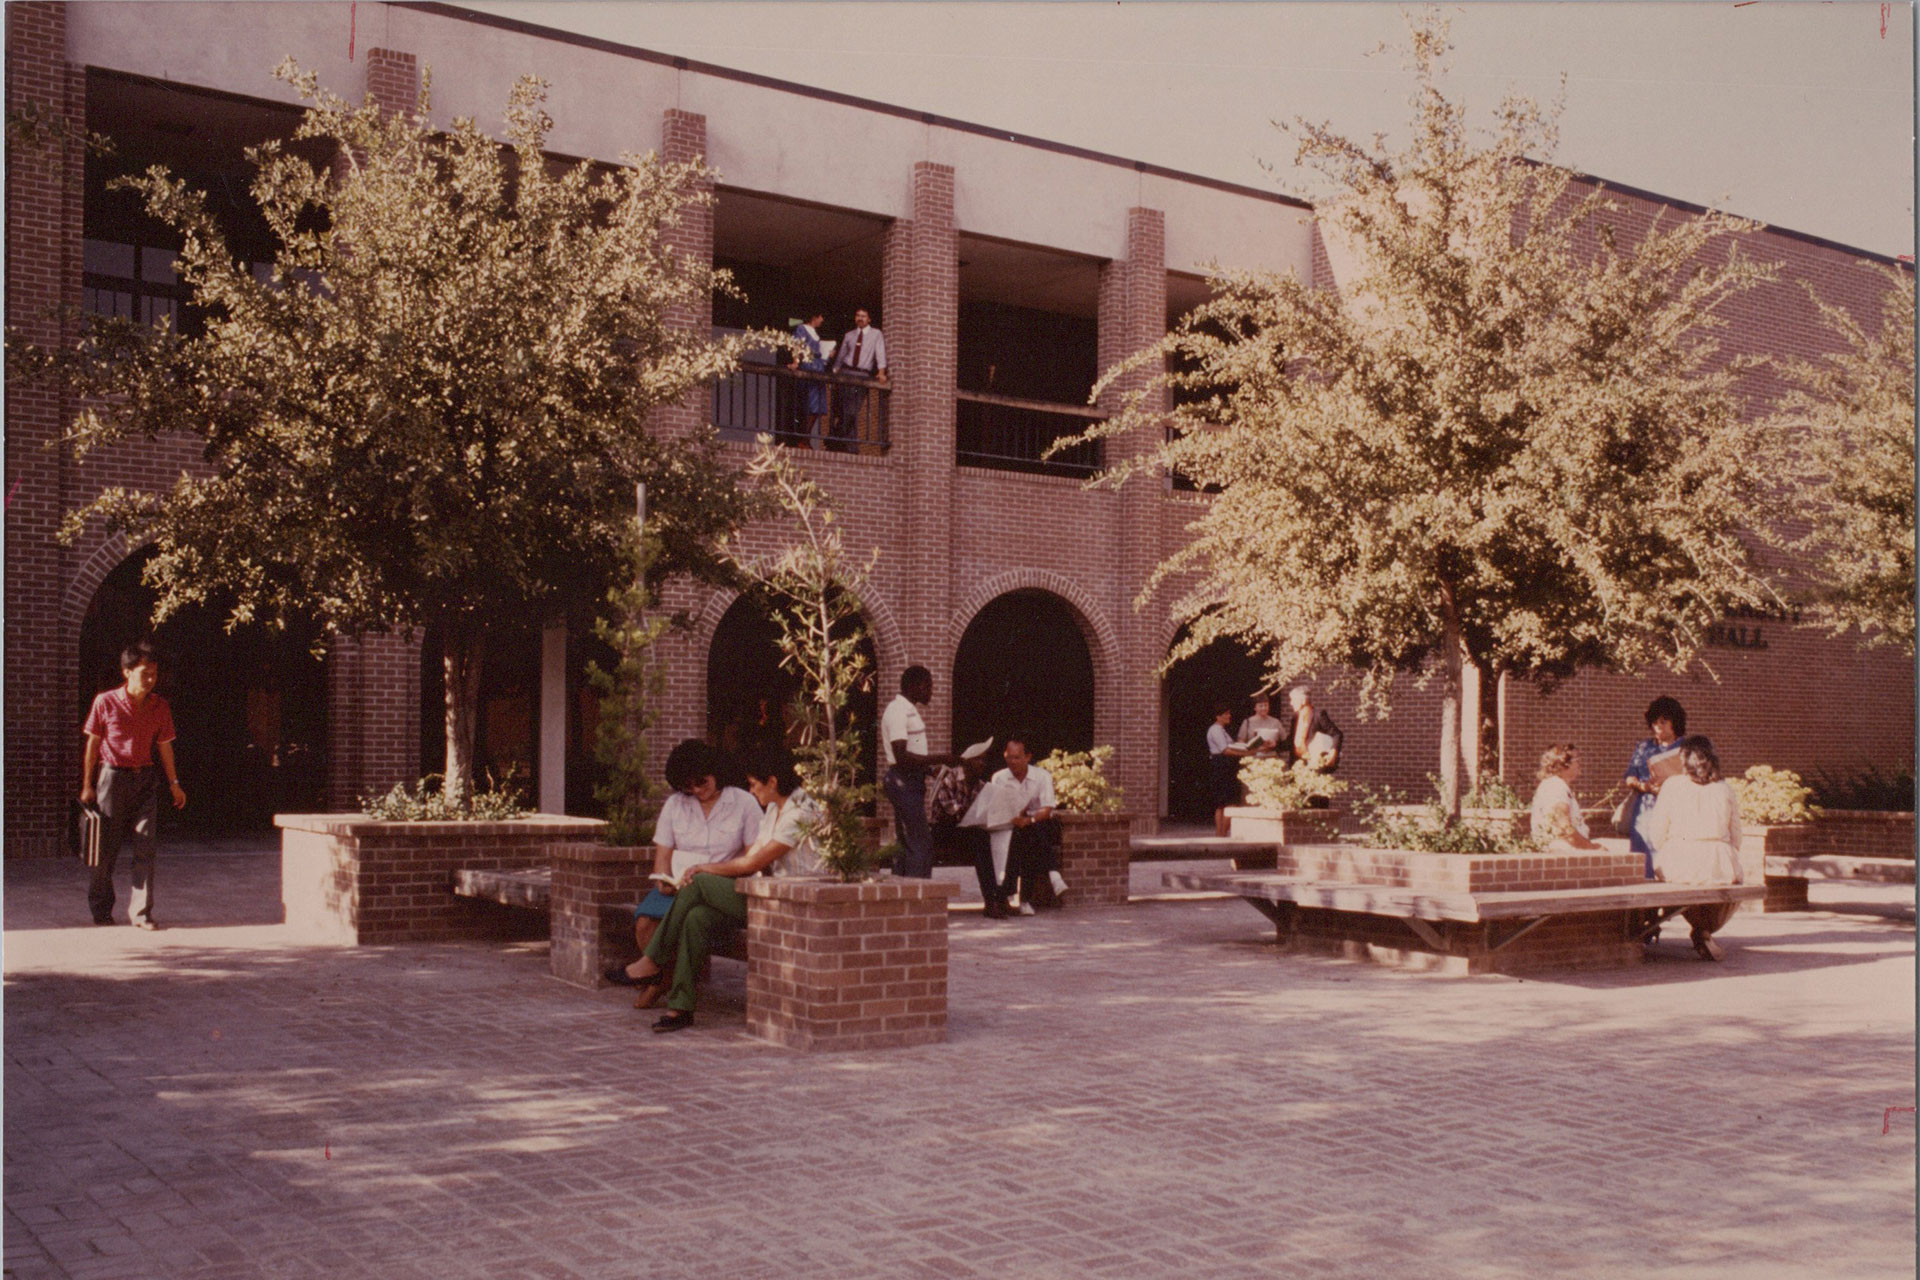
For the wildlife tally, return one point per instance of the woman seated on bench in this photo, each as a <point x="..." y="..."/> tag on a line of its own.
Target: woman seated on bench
<point x="1695" y="833"/>
<point x="701" y="822"/>
<point x="1556" y="820"/>
<point x="708" y="899"/>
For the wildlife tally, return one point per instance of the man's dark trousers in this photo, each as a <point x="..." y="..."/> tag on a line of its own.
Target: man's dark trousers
<point x="1032" y="855"/>
<point x="130" y="812"/>
<point x="907" y="793"/>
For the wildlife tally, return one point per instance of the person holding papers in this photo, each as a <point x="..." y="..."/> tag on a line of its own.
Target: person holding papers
<point x="1312" y="733"/>
<point x="1027" y="849"/>
<point x="1260" y="732"/>
<point x="1656" y="759"/>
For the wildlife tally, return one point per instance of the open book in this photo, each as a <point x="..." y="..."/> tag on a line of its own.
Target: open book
<point x="666" y="878"/>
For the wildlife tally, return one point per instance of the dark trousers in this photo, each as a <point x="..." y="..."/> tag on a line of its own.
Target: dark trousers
<point x="907" y="793"/>
<point x="130" y="813"/>
<point x="992" y="892"/>
<point x="852" y="401"/>
<point x="1031" y="858"/>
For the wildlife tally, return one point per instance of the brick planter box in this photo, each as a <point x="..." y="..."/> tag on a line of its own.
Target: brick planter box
<point x="1460" y="872"/>
<point x="847" y="966"/>
<point x="1277" y="827"/>
<point x="1096" y="851"/>
<point x="349" y="879"/>
<point x="594" y="889"/>
<point x="1846" y="833"/>
<point x="1507" y="822"/>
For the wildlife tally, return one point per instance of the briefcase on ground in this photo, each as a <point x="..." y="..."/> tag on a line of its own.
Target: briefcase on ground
<point x="90" y="822"/>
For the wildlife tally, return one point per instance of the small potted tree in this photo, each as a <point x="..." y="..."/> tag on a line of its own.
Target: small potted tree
<point x="1096" y="833"/>
<point x="1281" y="808"/>
<point x="844" y="960"/>
<point x="595" y="883"/>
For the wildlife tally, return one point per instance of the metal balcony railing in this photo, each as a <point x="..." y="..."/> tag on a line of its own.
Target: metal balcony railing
<point x="798" y="408"/>
<point x="1010" y="434"/>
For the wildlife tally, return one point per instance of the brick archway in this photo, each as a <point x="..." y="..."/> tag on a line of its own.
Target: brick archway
<point x="1103" y="642"/>
<point x="889" y="645"/>
<point x="112" y="552"/>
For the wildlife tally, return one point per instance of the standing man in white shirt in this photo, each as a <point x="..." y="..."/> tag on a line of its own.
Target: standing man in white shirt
<point x="903" y="739"/>
<point x="1029" y="850"/>
<point x="863" y="353"/>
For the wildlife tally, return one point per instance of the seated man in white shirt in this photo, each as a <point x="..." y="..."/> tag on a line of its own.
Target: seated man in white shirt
<point x="1029" y="850"/>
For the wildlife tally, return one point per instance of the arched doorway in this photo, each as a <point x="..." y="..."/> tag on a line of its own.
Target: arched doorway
<point x="1222" y="672"/>
<point x="249" y="705"/>
<point x="1023" y="666"/>
<point x="744" y="671"/>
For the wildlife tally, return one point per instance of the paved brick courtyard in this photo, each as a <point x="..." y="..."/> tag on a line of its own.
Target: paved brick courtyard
<point x="1148" y="1090"/>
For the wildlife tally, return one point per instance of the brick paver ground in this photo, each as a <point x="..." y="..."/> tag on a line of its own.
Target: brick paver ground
<point x="1142" y="1091"/>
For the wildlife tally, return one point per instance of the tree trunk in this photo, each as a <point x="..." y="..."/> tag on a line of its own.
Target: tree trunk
<point x="1450" y="726"/>
<point x="461" y="652"/>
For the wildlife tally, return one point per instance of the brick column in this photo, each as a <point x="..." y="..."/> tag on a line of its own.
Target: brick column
<point x="683" y="137"/>
<point x="393" y="80"/>
<point x="45" y="191"/>
<point x="591" y="920"/>
<point x="1133" y="316"/>
<point x="1096" y="854"/>
<point x="920" y="297"/>
<point x="373" y="717"/>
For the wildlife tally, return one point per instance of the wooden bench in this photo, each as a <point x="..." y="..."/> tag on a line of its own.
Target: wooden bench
<point x="1477" y="928"/>
<point x="531" y="888"/>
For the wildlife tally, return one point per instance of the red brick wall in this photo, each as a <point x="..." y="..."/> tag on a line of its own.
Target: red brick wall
<point x="1095" y="852"/>
<point x="393" y="80"/>
<point x="43" y="274"/>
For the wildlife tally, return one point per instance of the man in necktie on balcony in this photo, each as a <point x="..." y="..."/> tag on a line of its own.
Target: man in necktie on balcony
<point x="863" y="352"/>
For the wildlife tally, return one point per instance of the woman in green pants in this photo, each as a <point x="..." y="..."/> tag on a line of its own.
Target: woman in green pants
<point x="708" y="899"/>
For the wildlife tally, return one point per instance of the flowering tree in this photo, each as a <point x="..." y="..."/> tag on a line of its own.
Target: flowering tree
<point x="431" y="411"/>
<point x="1851" y="415"/>
<point x="1506" y="441"/>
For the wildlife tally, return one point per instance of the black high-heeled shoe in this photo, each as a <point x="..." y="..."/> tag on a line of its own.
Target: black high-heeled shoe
<point x="619" y="976"/>
<point x="678" y="1020"/>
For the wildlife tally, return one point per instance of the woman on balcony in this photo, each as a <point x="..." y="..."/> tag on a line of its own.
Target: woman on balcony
<point x="814" y="393"/>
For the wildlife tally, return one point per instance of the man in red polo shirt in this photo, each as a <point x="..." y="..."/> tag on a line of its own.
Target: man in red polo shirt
<point x="126" y="729"/>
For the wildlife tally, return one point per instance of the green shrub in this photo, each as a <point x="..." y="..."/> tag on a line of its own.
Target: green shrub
<point x="1770" y="796"/>
<point x="1080" y="782"/>
<point x="427" y="801"/>
<point x="1435" y="830"/>
<point x="1273" y="783"/>
<point x="1868" y="789"/>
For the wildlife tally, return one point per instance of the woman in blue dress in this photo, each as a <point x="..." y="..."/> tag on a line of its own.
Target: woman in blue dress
<point x="814" y="394"/>
<point x="1666" y="722"/>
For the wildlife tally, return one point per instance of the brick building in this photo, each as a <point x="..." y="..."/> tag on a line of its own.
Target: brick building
<point x="1006" y="273"/>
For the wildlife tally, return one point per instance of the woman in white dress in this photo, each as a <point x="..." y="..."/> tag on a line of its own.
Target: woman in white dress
<point x="1695" y="833"/>
<point x="1556" y="820"/>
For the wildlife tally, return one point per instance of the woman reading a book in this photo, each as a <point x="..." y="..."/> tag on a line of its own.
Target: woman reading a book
<point x="708" y="898"/>
<point x="1656" y="759"/>
<point x="701" y="822"/>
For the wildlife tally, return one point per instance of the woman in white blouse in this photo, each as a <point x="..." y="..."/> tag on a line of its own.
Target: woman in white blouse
<point x="709" y="899"/>
<point x="1556" y="820"/>
<point x="700" y="822"/>
<point x="1695" y="833"/>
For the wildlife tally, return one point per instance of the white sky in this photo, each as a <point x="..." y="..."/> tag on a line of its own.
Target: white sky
<point x="1801" y="115"/>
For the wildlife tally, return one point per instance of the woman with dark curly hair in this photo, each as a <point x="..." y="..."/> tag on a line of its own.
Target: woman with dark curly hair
<point x="700" y="822"/>
<point x="1666" y="722"/>
<point x="1695" y="830"/>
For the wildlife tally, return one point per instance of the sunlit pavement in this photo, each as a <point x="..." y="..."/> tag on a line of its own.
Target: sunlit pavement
<point x="1142" y="1091"/>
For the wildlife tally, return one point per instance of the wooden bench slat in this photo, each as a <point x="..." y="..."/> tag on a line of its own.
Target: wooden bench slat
<point x="1415" y="904"/>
